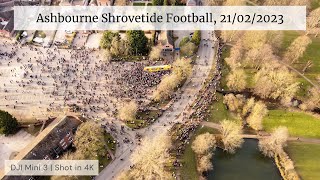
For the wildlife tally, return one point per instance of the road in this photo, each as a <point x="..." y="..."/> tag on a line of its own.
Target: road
<point x="187" y="94"/>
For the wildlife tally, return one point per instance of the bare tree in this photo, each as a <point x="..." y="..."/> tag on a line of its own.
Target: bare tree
<point x="182" y="68"/>
<point x="313" y="100"/>
<point x="257" y="114"/>
<point x="107" y="55"/>
<point x="231" y="135"/>
<point x="150" y="160"/>
<point x="213" y="2"/>
<point x="272" y="145"/>
<point x="256" y="39"/>
<point x="166" y="87"/>
<point x="236" y="55"/>
<point x="204" y="143"/>
<point x="276" y="2"/>
<point x="89" y="141"/>
<point x="203" y="146"/>
<point x="115" y="48"/>
<point x="188" y="49"/>
<point x="128" y="111"/>
<point x="235" y="3"/>
<point x="275" y="81"/>
<point x="300" y="3"/>
<point x="257" y="57"/>
<point x="297" y="48"/>
<point x="155" y="53"/>
<point x="234" y="103"/>
<point x="313" y="24"/>
<point x="204" y="163"/>
<point x="247" y="108"/>
<point x="120" y="3"/>
<point x="237" y="80"/>
<point x="230" y="35"/>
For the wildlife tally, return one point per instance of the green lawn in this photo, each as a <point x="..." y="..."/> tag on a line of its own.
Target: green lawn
<point x="312" y="53"/>
<point x="189" y="168"/>
<point x="225" y="69"/>
<point x="315" y="4"/>
<point x="250" y="72"/>
<point x="298" y="123"/>
<point x="136" y="124"/>
<point x="306" y="159"/>
<point x="139" y="4"/>
<point x="288" y="38"/>
<point x="218" y="111"/>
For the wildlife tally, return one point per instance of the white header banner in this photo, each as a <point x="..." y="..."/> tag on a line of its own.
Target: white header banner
<point x="160" y="17"/>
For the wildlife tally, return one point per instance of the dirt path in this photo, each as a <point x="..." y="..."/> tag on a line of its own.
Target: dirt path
<point x="252" y="136"/>
<point x="300" y="74"/>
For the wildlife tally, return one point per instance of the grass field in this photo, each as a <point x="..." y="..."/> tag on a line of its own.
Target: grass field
<point x="139" y="4"/>
<point x="312" y="53"/>
<point x="225" y="69"/>
<point x="306" y="159"/>
<point x="298" y="123"/>
<point x="315" y="4"/>
<point x="189" y="169"/>
<point x="218" y="111"/>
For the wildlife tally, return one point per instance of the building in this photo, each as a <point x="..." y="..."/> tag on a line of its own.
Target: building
<point x="191" y="3"/>
<point x="51" y="143"/>
<point x="6" y="23"/>
<point x="168" y="46"/>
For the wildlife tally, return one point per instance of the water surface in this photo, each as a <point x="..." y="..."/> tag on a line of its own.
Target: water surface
<point x="246" y="164"/>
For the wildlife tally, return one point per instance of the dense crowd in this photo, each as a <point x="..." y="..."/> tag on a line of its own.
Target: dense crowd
<point x="65" y="78"/>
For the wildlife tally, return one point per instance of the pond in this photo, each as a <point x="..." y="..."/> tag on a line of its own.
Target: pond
<point x="247" y="163"/>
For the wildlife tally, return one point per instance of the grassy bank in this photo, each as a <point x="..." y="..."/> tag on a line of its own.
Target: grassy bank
<point x="298" y="123"/>
<point x="189" y="168"/>
<point x="306" y="159"/>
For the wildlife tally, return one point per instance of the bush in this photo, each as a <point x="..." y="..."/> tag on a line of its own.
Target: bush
<point x="138" y="42"/>
<point x="231" y="135"/>
<point x="106" y="39"/>
<point x="196" y="38"/>
<point x="272" y="145"/>
<point x="184" y="41"/>
<point x="128" y="111"/>
<point x="8" y="123"/>
<point x="89" y="141"/>
<point x="188" y="49"/>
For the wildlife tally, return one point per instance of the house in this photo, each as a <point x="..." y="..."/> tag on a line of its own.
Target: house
<point x="6" y="23"/>
<point x="168" y="46"/>
<point x="51" y="143"/>
<point x="191" y="3"/>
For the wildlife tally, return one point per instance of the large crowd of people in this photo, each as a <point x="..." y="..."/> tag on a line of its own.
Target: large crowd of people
<point x="35" y="78"/>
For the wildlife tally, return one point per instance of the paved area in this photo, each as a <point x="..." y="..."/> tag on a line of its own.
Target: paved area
<point x="93" y="41"/>
<point x="60" y="37"/>
<point x="38" y="82"/>
<point x="11" y="144"/>
<point x="187" y="95"/>
<point x="80" y="40"/>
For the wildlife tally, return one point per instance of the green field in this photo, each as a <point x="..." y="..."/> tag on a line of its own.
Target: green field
<point x="315" y="4"/>
<point x="139" y="4"/>
<point x="225" y="69"/>
<point x="298" y="123"/>
<point x="189" y="168"/>
<point x="218" y="111"/>
<point x="306" y="159"/>
<point x="312" y="54"/>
